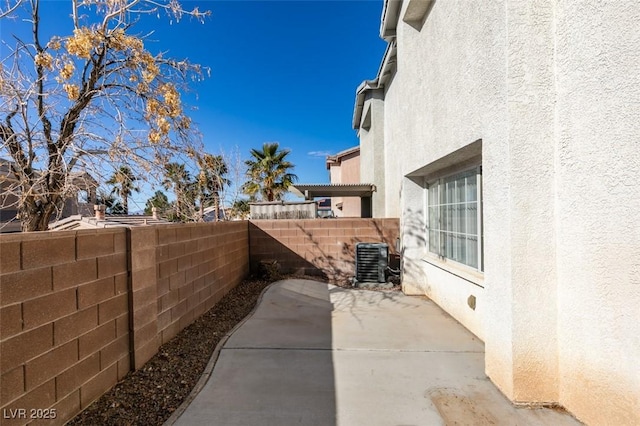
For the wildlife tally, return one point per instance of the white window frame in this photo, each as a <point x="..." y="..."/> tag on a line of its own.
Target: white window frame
<point x="441" y="254"/>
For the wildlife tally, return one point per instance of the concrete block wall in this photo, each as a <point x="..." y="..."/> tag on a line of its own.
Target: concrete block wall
<point x="80" y="309"/>
<point x="317" y="247"/>
<point x="197" y="265"/>
<point x="64" y="322"/>
<point x="144" y="324"/>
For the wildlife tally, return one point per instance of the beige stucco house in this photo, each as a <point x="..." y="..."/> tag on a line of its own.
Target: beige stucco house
<point x="505" y="135"/>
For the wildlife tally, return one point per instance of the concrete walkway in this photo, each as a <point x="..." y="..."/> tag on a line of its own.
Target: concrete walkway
<point x="315" y="354"/>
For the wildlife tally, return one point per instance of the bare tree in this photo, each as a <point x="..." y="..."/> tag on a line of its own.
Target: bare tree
<point x="7" y="7"/>
<point x="98" y="89"/>
<point x="237" y="171"/>
<point x="211" y="182"/>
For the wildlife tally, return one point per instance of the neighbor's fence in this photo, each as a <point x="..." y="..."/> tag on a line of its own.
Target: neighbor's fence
<point x="80" y="309"/>
<point x="284" y="210"/>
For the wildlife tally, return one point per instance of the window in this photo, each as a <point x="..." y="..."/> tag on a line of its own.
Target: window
<point x="454" y="227"/>
<point x="83" y="196"/>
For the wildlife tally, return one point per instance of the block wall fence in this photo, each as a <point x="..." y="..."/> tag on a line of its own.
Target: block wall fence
<point x="323" y="247"/>
<point x="80" y="309"/>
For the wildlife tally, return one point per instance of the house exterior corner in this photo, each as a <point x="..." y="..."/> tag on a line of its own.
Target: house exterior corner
<point x="500" y="133"/>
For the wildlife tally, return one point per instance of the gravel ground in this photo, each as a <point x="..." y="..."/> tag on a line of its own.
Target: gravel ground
<point x="151" y="394"/>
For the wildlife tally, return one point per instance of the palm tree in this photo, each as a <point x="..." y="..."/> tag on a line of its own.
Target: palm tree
<point x="269" y="173"/>
<point x="177" y="178"/>
<point x="160" y="201"/>
<point x="211" y="181"/>
<point x="240" y="209"/>
<point x="112" y="205"/>
<point x="122" y="181"/>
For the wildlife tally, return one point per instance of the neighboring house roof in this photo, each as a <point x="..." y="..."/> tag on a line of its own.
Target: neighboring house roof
<point x="10" y="195"/>
<point x="324" y="204"/>
<point x="80" y="179"/>
<point x="311" y="191"/>
<point x="337" y="159"/>
<point x="10" y="226"/>
<point x="210" y="213"/>
<point x="84" y="222"/>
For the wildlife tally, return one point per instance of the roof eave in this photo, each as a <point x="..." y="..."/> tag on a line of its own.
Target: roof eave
<point x="359" y="104"/>
<point x="390" y="16"/>
<point x="385" y="71"/>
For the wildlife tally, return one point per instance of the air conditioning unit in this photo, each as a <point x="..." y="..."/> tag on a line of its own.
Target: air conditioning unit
<point x="372" y="260"/>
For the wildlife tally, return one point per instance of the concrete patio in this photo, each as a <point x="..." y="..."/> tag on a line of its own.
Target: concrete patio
<point x="316" y="354"/>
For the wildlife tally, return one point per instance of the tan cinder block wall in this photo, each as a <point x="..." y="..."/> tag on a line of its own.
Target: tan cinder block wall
<point x="66" y="334"/>
<point x="196" y="266"/>
<point x="64" y="323"/>
<point x="145" y="339"/>
<point x="324" y="247"/>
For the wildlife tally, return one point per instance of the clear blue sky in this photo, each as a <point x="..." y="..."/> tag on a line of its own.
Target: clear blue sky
<point x="282" y="71"/>
<point x="286" y="72"/>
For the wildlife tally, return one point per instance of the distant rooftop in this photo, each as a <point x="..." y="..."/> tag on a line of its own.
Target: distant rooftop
<point x="311" y="191"/>
<point x="337" y="159"/>
<point x="83" y="222"/>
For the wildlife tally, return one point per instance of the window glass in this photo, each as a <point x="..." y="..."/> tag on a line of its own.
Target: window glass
<point x="433" y="195"/>
<point x="434" y="241"/>
<point x="453" y="210"/>
<point x="472" y="188"/>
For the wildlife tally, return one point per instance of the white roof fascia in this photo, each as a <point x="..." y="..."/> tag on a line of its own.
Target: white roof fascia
<point x="387" y="66"/>
<point x="390" y="13"/>
<point x="386" y="69"/>
<point x="359" y="105"/>
<point x="390" y="16"/>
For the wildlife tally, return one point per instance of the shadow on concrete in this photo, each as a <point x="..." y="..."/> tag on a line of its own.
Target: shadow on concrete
<point x="277" y="368"/>
<point x="303" y="357"/>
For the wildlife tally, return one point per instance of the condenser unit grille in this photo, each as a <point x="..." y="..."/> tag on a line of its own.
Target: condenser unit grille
<point x="371" y="262"/>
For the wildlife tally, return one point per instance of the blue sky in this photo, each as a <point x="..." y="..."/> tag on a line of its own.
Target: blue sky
<point x="286" y="72"/>
<point x="283" y="71"/>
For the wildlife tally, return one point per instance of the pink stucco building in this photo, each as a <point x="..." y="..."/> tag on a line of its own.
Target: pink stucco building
<point x="344" y="168"/>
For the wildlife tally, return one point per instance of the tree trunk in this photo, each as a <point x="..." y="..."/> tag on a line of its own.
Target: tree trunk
<point x="34" y="217"/>
<point x="201" y="218"/>
<point x="216" y="204"/>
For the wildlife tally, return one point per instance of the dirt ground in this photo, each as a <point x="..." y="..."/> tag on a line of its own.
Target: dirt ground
<point x="151" y="394"/>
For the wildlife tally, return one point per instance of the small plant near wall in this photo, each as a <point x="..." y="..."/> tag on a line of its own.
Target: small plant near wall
<point x="269" y="270"/>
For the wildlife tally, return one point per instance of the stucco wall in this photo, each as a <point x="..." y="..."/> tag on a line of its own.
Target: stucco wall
<point x="432" y="111"/>
<point x="598" y="200"/>
<point x="335" y="176"/>
<point x="346" y="171"/>
<point x="372" y="153"/>
<point x="551" y="89"/>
